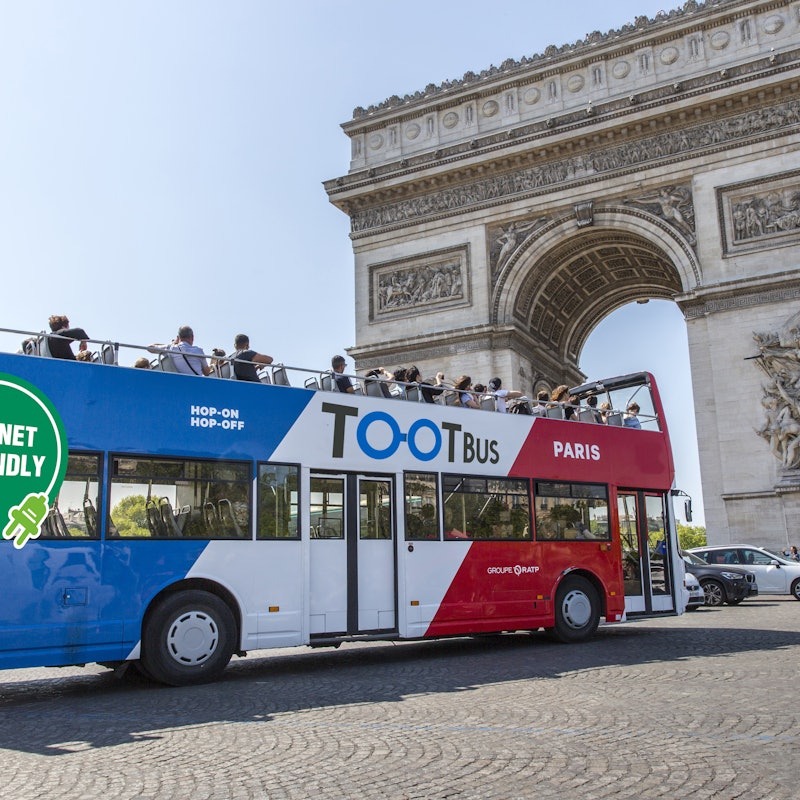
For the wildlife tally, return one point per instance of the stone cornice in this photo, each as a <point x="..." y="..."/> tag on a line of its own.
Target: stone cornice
<point x="547" y="135"/>
<point x="690" y="17"/>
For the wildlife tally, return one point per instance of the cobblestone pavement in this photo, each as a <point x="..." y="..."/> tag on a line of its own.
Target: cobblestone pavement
<point x="701" y="706"/>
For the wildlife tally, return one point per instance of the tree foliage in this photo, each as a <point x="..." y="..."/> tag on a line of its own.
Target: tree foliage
<point x="130" y="516"/>
<point x="691" y="536"/>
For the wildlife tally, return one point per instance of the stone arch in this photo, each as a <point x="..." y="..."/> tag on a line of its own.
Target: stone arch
<point x="564" y="279"/>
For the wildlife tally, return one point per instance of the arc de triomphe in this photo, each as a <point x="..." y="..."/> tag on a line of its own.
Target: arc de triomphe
<point x="498" y="218"/>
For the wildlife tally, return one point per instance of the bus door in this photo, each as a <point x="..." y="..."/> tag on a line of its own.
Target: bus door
<point x="646" y="567"/>
<point x="353" y="574"/>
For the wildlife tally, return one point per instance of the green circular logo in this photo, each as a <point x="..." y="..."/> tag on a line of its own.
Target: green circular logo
<point x="33" y="458"/>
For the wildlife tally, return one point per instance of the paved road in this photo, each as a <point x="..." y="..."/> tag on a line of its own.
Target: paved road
<point x="702" y="706"/>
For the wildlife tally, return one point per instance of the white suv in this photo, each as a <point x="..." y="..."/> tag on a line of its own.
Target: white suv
<point x="774" y="574"/>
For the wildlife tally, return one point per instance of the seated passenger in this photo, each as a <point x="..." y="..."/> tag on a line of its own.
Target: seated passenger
<point x="141" y="363"/>
<point x="60" y="344"/>
<point x="431" y="388"/>
<point x="84" y="355"/>
<point x="245" y="359"/>
<point x="186" y="356"/>
<point x="591" y="404"/>
<point x="538" y="408"/>
<point x="465" y="397"/>
<point x="631" y="420"/>
<point x="495" y="387"/>
<point x="605" y="410"/>
<point x="343" y="383"/>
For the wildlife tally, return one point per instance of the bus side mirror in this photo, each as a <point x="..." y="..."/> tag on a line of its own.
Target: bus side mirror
<point x="687" y="509"/>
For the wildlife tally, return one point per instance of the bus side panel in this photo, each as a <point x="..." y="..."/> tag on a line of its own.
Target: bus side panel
<point x="511" y="586"/>
<point x="55" y="605"/>
<point x="568" y="451"/>
<point x="267" y="580"/>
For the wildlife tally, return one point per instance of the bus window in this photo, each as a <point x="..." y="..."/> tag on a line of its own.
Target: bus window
<point x="171" y="497"/>
<point x="73" y="513"/>
<point x="422" y="506"/>
<point x="486" y="508"/>
<point x="571" y="511"/>
<point x="277" y="501"/>
<point x="327" y="508"/>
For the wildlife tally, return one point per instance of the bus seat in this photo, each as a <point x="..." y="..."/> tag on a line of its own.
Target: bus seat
<point x="586" y="415"/>
<point x="279" y="376"/>
<point x="311" y="383"/>
<point x="223" y="369"/>
<point x="614" y="418"/>
<point x="555" y="412"/>
<point x="328" y="383"/>
<point x="373" y="389"/>
<point x="107" y="353"/>
<point x="44" y="346"/>
<point x="166" y="363"/>
<point x="488" y="404"/>
<point x="450" y="398"/>
<point x="168" y="518"/>
<point x="413" y="394"/>
<point x="30" y="347"/>
<point x="227" y="518"/>
<point x="264" y="377"/>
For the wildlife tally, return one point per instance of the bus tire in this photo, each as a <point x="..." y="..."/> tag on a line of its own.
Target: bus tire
<point x="188" y="638"/>
<point x="577" y="611"/>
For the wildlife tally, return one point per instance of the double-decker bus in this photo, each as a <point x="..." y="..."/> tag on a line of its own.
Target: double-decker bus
<point x="201" y="517"/>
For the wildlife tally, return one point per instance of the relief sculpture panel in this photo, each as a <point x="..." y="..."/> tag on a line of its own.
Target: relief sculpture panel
<point x="428" y="282"/>
<point x="779" y="359"/>
<point x="759" y="214"/>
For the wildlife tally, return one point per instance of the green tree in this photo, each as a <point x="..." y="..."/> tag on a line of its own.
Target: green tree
<point x="691" y="536"/>
<point x="130" y="516"/>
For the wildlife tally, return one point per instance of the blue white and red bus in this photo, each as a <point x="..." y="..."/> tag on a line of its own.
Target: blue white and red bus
<point x="202" y="518"/>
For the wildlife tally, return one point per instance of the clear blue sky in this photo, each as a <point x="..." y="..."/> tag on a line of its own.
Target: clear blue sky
<point x="161" y="163"/>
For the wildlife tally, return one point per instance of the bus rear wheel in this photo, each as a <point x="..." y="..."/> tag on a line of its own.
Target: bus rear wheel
<point x="188" y="638"/>
<point x="577" y="611"/>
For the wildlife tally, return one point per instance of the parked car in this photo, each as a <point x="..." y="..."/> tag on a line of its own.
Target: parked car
<point x="720" y="583"/>
<point x="774" y="574"/>
<point x="696" y="596"/>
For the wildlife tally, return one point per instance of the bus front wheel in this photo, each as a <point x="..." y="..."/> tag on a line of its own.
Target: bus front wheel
<point x="188" y="638"/>
<point x="577" y="611"/>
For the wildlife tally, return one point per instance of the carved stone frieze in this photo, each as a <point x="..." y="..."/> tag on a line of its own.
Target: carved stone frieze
<point x="582" y="168"/>
<point x="427" y="283"/>
<point x="761" y="213"/>
<point x="779" y="358"/>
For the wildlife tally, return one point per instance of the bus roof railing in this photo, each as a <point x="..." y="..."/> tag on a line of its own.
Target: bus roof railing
<point x="278" y="374"/>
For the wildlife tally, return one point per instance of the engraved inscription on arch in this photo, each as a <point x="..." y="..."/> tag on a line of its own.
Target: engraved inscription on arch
<point x="412" y="286"/>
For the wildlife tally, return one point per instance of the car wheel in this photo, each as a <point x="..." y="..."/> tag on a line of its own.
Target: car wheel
<point x="714" y="592"/>
<point x="796" y="589"/>
<point x="188" y="638"/>
<point x="735" y="602"/>
<point x="577" y="611"/>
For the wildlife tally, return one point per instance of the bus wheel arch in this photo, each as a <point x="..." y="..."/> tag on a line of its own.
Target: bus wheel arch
<point x="189" y="634"/>
<point x="577" y="608"/>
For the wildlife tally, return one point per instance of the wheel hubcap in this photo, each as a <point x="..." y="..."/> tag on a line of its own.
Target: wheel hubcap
<point x="192" y="638"/>
<point x="576" y="609"/>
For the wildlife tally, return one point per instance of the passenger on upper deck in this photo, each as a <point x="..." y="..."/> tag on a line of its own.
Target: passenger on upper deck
<point x="187" y="357"/>
<point x="342" y="381"/>
<point x="538" y="408"/>
<point x="60" y="345"/>
<point x="495" y="386"/>
<point x="141" y="363"/>
<point x="591" y="403"/>
<point x="245" y="359"/>
<point x="631" y="420"/>
<point x="431" y="388"/>
<point x="463" y="386"/>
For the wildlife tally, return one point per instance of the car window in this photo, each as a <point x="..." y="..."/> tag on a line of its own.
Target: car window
<point x="692" y="558"/>
<point x="757" y="557"/>
<point x="722" y="556"/>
